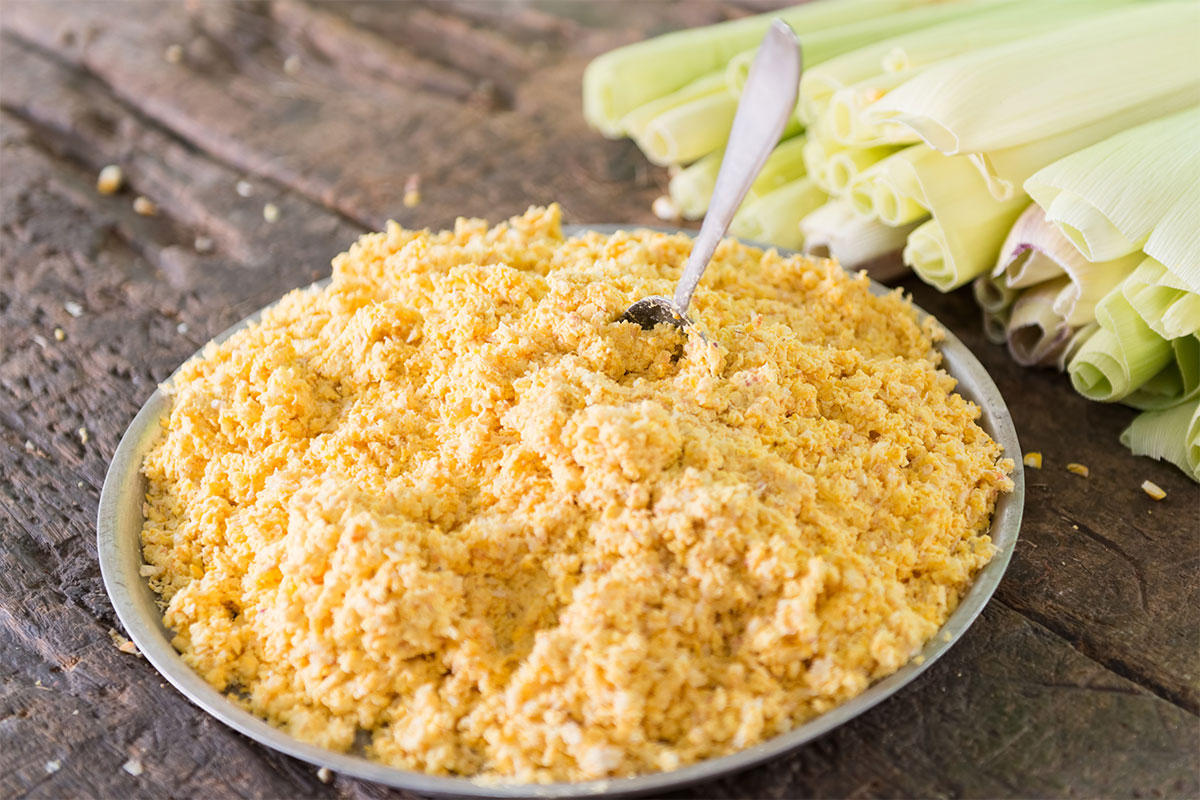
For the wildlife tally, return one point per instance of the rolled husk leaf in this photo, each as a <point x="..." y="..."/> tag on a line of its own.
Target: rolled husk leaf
<point x="691" y="188"/>
<point x="993" y="295"/>
<point x="620" y="80"/>
<point x="1119" y="357"/>
<point x="688" y="132"/>
<point x="1037" y="335"/>
<point x="1175" y="242"/>
<point x="968" y="225"/>
<point x="1167" y="306"/>
<point x="1177" y="382"/>
<point x="1036" y="250"/>
<point x="846" y="123"/>
<point x="1028" y="89"/>
<point x="843" y="166"/>
<point x="775" y="217"/>
<point x="836" y="230"/>
<point x="1108" y="198"/>
<point x="1172" y="434"/>
<point x="1078" y="340"/>
<point x="634" y="123"/>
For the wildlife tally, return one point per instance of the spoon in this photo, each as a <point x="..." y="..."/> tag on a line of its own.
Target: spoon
<point x="763" y="110"/>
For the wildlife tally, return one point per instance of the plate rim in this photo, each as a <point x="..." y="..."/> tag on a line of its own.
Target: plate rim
<point x="120" y="557"/>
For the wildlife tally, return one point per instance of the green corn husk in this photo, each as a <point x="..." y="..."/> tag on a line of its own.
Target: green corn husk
<point x="1121" y="356"/>
<point x="1007" y="169"/>
<point x="775" y="218"/>
<point x="830" y="42"/>
<point x="1162" y="300"/>
<point x="918" y="49"/>
<point x="1109" y="197"/>
<point x="968" y="226"/>
<point x="1172" y="435"/>
<point x="1177" y="382"/>
<point x="634" y="123"/>
<point x="691" y="188"/>
<point x="690" y="131"/>
<point x="1027" y="90"/>
<point x="846" y="122"/>
<point x="843" y="166"/>
<point x="620" y="80"/>
<point x="1175" y="242"/>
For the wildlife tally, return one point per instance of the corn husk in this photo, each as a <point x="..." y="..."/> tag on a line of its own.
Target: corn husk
<point x="1023" y="91"/>
<point x="690" y="131"/>
<point x="1175" y="383"/>
<point x="691" y="188"/>
<point x="847" y="124"/>
<point x="775" y="217"/>
<point x="836" y="230"/>
<point x="1163" y="301"/>
<point x="1035" y="250"/>
<point x="1108" y="198"/>
<point x="1036" y="334"/>
<point x="1119" y="357"/>
<point x="620" y="80"/>
<point x="843" y="166"/>
<point x="1172" y="434"/>
<point x="634" y="123"/>
<point x="1175" y="242"/>
<point x="830" y="42"/>
<point x="993" y="295"/>
<point x="993" y="24"/>
<point x="1007" y="169"/>
<point x="968" y="225"/>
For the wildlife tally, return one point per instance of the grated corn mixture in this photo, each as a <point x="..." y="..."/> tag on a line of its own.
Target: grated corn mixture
<point x="451" y="509"/>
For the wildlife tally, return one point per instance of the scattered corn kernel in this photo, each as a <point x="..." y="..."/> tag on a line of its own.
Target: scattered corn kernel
<point x="1033" y="460"/>
<point x="110" y="179"/>
<point x="412" y="191"/>
<point x="173" y="54"/>
<point x="59" y="334"/>
<point x="663" y="208"/>
<point x="270" y="212"/>
<point x="144" y="206"/>
<point x="83" y="435"/>
<point x="1153" y="489"/>
<point x="324" y="775"/>
<point x="1077" y="469"/>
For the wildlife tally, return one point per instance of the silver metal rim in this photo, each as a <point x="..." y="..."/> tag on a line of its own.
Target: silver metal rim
<point x="119" y="523"/>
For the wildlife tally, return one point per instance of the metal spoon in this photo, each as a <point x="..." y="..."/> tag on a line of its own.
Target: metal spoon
<point x="763" y="110"/>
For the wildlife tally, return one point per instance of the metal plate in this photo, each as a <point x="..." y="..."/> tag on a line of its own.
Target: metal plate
<point x="119" y="525"/>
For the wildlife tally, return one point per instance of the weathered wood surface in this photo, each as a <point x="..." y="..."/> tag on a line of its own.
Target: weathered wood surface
<point x="1082" y="679"/>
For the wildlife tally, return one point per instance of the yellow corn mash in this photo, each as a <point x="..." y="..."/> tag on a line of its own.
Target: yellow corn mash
<point x="453" y="506"/>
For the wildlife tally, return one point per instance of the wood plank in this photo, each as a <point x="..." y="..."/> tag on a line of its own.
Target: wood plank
<point x="1041" y="702"/>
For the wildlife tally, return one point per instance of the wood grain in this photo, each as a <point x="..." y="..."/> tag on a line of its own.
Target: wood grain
<point x="1082" y="680"/>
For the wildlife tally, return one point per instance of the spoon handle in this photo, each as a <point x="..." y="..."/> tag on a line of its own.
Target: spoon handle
<point x="767" y="101"/>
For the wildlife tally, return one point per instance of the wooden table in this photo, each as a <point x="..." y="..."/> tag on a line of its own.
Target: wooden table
<point x="1082" y="678"/>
